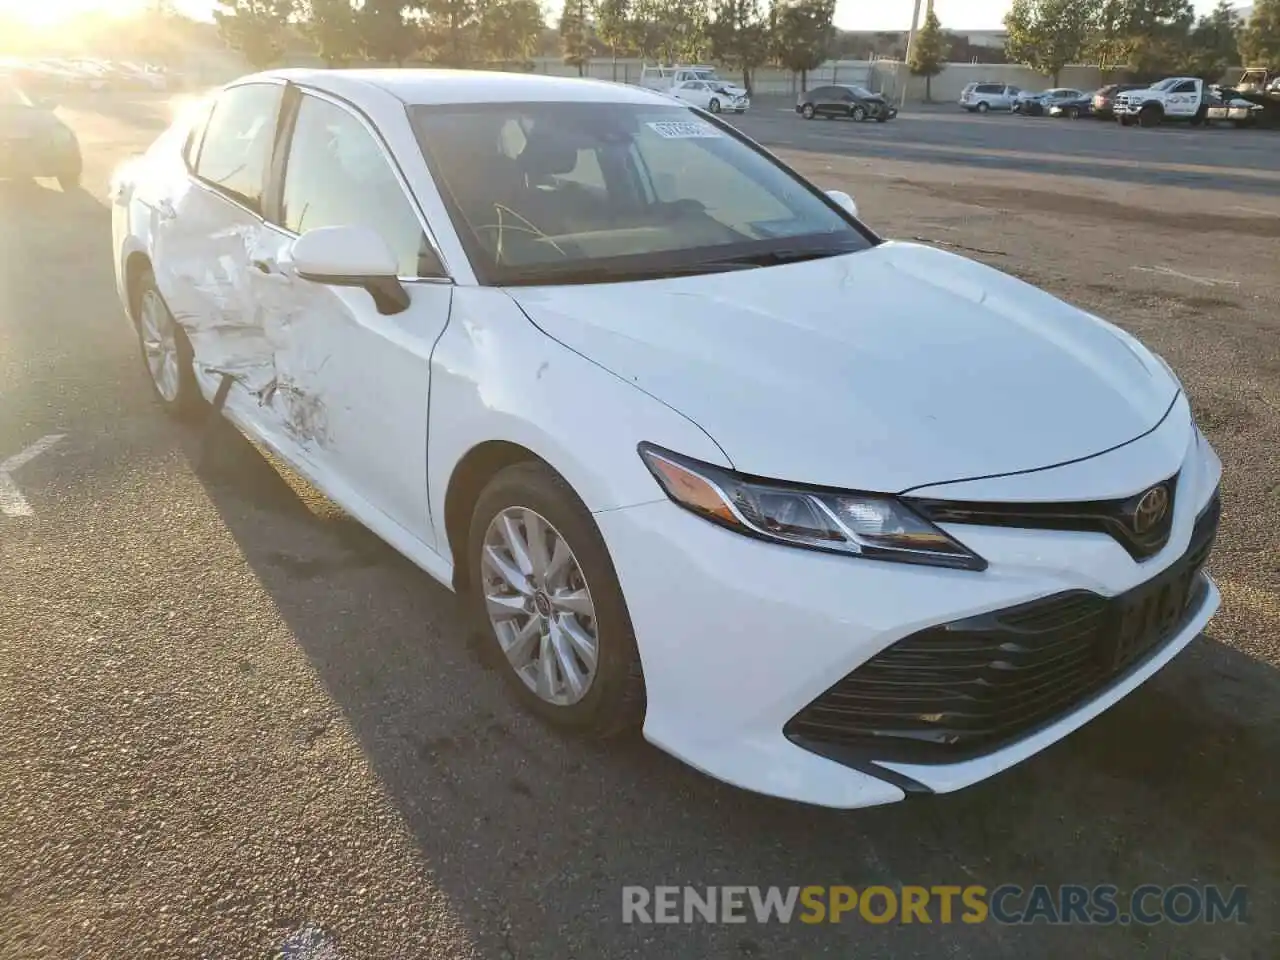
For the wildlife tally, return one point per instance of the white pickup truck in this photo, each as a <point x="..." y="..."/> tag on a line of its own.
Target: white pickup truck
<point x="666" y="78"/>
<point x="1178" y="98"/>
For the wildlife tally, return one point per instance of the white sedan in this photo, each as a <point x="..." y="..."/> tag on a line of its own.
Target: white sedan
<point x="832" y="517"/>
<point x="712" y="97"/>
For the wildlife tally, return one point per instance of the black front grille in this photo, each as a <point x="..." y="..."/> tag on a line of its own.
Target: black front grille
<point x="1118" y="518"/>
<point x="966" y="688"/>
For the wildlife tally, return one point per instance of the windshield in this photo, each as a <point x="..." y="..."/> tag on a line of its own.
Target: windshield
<point x="1165" y="84"/>
<point x="586" y="192"/>
<point x="862" y="92"/>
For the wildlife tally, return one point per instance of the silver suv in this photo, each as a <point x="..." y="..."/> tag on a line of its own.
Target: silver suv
<point x="981" y="97"/>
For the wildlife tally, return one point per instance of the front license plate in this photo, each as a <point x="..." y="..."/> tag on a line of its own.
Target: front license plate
<point x="1150" y="613"/>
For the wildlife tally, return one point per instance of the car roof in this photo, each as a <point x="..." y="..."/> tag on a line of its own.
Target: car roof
<point x="426" y="86"/>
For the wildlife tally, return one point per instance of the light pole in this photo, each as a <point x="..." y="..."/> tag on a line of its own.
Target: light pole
<point x="911" y="38"/>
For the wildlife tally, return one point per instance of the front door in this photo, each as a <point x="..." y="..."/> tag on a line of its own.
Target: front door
<point x="351" y="384"/>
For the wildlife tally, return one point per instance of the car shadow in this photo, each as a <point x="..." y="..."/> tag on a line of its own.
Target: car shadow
<point x="534" y="833"/>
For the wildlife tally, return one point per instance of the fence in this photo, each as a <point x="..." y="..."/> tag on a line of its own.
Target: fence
<point x="884" y="76"/>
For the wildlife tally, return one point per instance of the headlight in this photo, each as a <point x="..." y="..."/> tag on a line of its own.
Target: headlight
<point x="864" y="525"/>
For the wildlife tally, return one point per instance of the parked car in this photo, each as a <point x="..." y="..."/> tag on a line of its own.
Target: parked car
<point x="1035" y="104"/>
<point x="981" y="97"/>
<point x="33" y="141"/>
<point x="703" y="453"/>
<point x="710" y="96"/>
<point x="1104" y="98"/>
<point x="844" y="100"/>
<point x="665" y="78"/>
<point x="1072" y="107"/>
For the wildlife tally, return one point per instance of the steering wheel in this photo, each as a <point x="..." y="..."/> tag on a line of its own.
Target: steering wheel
<point x="528" y="228"/>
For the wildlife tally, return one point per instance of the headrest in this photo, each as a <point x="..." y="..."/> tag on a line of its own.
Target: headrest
<point x="546" y="155"/>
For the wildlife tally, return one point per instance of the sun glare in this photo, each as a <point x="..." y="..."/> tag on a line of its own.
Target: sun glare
<point x="47" y="13"/>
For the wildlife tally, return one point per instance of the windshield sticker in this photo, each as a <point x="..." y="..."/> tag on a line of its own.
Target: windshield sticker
<point x="683" y="130"/>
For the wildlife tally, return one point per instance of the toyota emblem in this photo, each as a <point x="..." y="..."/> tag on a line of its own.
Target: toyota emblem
<point x="1150" y="510"/>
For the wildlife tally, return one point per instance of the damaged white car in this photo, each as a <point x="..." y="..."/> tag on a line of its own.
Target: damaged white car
<point x="833" y="518"/>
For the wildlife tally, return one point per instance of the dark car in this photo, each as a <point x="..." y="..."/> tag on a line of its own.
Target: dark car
<point x="34" y="142"/>
<point x="1072" y="107"/>
<point x="844" y="100"/>
<point x="1104" y="99"/>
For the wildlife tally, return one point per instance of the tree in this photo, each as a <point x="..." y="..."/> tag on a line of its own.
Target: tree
<point x="614" y="25"/>
<point x="332" y="27"/>
<point x="509" y="30"/>
<point x="737" y="36"/>
<point x="575" y="39"/>
<point x="801" y="31"/>
<point x="385" y="33"/>
<point x="1260" y="39"/>
<point x="1212" y="45"/>
<point x="451" y="30"/>
<point x="1046" y="35"/>
<point x="927" y="56"/>
<point x="256" y="28"/>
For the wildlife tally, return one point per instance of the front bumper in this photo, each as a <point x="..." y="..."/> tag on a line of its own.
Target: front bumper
<point x="737" y="637"/>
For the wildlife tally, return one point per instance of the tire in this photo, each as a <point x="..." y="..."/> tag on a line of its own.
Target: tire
<point x="983" y="107"/>
<point x="172" y="376"/>
<point x="1125" y="120"/>
<point x="714" y="105"/>
<point x="69" y="182"/>
<point x="1149" y="117"/>
<point x="807" y="111"/>
<point x="858" y="113"/>
<point x="881" y="119"/>
<point x="1073" y="113"/>
<point x="612" y="700"/>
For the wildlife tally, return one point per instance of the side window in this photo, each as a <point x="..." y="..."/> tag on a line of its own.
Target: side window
<point x="236" y="150"/>
<point x="1186" y="86"/>
<point x="195" y="133"/>
<point x="337" y="175"/>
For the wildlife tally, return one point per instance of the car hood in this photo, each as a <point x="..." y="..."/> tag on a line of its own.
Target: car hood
<point x="883" y="370"/>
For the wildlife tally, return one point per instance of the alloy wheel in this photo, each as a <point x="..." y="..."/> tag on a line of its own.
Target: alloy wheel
<point x="160" y="345"/>
<point x="540" y="606"/>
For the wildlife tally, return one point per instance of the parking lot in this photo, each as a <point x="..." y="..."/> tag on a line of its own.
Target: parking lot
<point x="234" y="725"/>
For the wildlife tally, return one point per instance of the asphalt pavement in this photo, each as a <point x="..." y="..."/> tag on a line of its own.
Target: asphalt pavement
<point x="1219" y="158"/>
<point x="234" y="725"/>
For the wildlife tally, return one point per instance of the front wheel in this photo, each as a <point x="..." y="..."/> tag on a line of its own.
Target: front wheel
<point x="544" y="590"/>
<point x="858" y="113"/>
<point x="807" y="111"/>
<point x="1073" y="113"/>
<point x="714" y="105"/>
<point x="983" y="108"/>
<point x="1149" y="117"/>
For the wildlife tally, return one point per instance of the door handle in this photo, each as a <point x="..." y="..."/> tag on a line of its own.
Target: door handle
<point x="265" y="265"/>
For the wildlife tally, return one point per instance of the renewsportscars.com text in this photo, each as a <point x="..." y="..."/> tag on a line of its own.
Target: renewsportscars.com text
<point x="1101" y="904"/>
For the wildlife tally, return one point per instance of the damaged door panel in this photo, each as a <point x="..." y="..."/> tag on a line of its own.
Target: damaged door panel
<point x="204" y="238"/>
<point x="344" y="383"/>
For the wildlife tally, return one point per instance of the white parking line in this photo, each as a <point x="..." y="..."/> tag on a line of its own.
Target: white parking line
<point x="12" y="502"/>
<point x="1202" y="281"/>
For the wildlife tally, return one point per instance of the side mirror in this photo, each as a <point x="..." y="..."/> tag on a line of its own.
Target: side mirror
<point x="351" y="257"/>
<point x="843" y="201"/>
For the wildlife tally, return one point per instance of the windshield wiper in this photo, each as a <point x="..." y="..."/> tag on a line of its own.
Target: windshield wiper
<point x="773" y="258"/>
<point x="601" y="273"/>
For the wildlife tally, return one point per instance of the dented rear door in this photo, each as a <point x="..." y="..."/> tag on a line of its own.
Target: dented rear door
<point x="205" y="236"/>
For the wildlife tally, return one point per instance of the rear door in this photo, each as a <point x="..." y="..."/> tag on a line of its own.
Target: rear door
<point x="205" y="223"/>
<point x="351" y="384"/>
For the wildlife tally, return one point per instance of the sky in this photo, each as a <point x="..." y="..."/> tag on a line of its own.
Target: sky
<point x="850" y="14"/>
